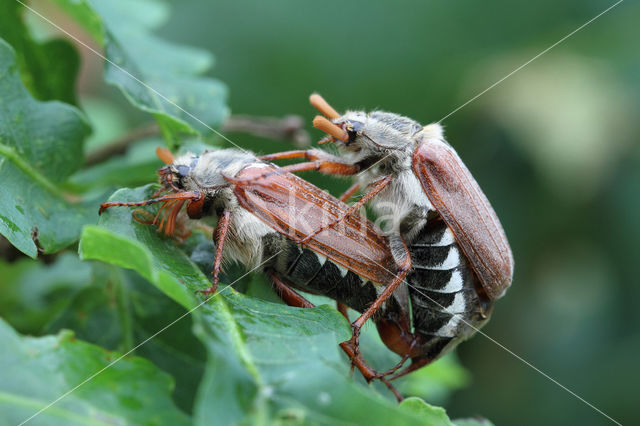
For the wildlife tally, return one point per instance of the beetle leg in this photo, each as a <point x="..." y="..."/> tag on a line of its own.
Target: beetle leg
<point x="220" y="235"/>
<point x="342" y="308"/>
<point x="180" y="234"/>
<point x="309" y="154"/>
<point x="300" y="153"/>
<point x="322" y="166"/>
<point x="158" y="192"/>
<point x="293" y="298"/>
<point x="379" y="186"/>
<point x="144" y="217"/>
<point x="349" y="192"/>
<point x="287" y="294"/>
<point x="403" y="267"/>
<point x="416" y="363"/>
<point x="317" y="160"/>
<point x="400" y="363"/>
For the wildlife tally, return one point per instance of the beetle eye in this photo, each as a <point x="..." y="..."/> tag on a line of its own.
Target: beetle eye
<point x="354" y="129"/>
<point x="182" y="171"/>
<point x="177" y="174"/>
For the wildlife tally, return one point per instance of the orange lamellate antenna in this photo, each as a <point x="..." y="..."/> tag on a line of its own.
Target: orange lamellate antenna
<point x="164" y="155"/>
<point x="168" y="212"/>
<point x="180" y="231"/>
<point x="172" y="216"/>
<point x="323" y="106"/>
<point x="321" y="123"/>
<point x="164" y="215"/>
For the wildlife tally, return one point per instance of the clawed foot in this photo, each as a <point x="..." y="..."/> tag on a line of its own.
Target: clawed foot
<point x="210" y="291"/>
<point x="352" y="348"/>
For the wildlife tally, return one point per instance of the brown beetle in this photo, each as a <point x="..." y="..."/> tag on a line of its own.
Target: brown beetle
<point x="419" y="182"/>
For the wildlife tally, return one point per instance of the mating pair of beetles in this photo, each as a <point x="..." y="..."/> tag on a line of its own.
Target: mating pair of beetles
<point x="428" y="282"/>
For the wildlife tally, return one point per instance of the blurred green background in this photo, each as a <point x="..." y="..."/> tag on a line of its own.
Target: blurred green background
<point x="555" y="148"/>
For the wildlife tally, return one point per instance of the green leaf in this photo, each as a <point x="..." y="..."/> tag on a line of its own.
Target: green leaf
<point x="119" y="310"/>
<point x="436" y="381"/>
<point x="122" y="241"/>
<point x="46" y="135"/>
<point x="40" y="143"/>
<point x="286" y="367"/>
<point x="103" y="305"/>
<point x="434" y="416"/>
<point x="36" y="371"/>
<point x="156" y="76"/>
<point x="267" y="362"/>
<point x="48" y="69"/>
<point x="33" y="294"/>
<point x="37" y="210"/>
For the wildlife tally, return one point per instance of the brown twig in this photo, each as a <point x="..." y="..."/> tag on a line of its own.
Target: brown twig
<point x="289" y="128"/>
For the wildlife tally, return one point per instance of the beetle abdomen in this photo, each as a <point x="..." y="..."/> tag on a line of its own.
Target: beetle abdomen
<point x="443" y="288"/>
<point x="312" y="272"/>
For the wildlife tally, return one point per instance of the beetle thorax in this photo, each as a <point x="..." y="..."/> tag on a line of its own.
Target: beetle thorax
<point x="401" y="202"/>
<point x="377" y="135"/>
<point x="212" y="166"/>
<point x="403" y="206"/>
<point x="245" y="240"/>
<point x="206" y="174"/>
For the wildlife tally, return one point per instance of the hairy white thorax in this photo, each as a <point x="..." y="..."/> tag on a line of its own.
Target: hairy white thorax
<point x="244" y="243"/>
<point x="245" y="240"/>
<point x="388" y="141"/>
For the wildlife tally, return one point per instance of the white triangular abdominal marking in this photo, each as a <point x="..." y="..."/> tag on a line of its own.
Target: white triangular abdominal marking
<point x="457" y="306"/>
<point x="446" y="239"/>
<point x="343" y="270"/>
<point x="321" y="258"/>
<point x="452" y="260"/>
<point x="454" y="284"/>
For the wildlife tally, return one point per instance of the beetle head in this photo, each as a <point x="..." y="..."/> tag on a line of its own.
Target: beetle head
<point x="373" y="133"/>
<point x="178" y="174"/>
<point x="206" y="173"/>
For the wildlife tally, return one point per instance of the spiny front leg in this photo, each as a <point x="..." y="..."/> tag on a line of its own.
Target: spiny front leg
<point x="403" y="264"/>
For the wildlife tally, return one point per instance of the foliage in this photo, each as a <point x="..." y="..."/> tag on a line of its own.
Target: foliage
<point x="36" y="371"/>
<point x="40" y="145"/>
<point x="132" y="292"/>
<point x="48" y="69"/>
<point x="156" y="76"/>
